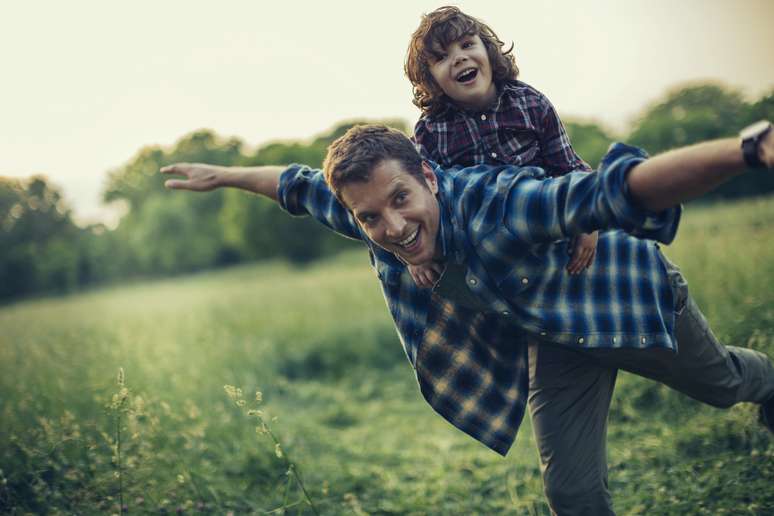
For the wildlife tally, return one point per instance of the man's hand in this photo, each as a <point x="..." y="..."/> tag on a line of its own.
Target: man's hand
<point x="199" y="177"/>
<point x="425" y="275"/>
<point x="583" y="252"/>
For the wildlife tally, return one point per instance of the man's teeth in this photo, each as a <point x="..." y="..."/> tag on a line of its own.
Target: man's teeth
<point x="409" y="240"/>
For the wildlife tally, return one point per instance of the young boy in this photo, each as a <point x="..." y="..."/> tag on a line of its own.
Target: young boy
<point x="474" y="111"/>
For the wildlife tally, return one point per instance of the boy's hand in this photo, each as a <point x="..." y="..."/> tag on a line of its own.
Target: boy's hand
<point x="425" y="275"/>
<point x="198" y="176"/>
<point x="583" y="251"/>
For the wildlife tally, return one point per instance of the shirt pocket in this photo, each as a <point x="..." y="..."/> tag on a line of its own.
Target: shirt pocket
<point x="507" y="263"/>
<point x="519" y="146"/>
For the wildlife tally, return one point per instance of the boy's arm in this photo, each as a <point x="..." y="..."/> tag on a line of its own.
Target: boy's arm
<point x="556" y="150"/>
<point x="426" y="143"/>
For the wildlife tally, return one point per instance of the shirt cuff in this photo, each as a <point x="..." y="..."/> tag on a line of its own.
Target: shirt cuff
<point x="615" y="166"/>
<point x="288" y="188"/>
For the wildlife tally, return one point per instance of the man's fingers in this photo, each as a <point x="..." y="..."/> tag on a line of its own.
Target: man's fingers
<point x="175" y="184"/>
<point x="170" y="169"/>
<point x="181" y="169"/>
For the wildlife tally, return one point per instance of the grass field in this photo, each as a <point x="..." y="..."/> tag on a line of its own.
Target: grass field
<point x="318" y="343"/>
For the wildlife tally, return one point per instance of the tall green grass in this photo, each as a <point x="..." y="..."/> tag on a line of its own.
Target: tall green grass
<point x="319" y="345"/>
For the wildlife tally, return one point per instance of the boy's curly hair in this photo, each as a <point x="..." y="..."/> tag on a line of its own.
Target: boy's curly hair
<point x="442" y="27"/>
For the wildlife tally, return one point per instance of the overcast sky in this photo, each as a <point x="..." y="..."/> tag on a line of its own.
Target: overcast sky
<point x="86" y="84"/>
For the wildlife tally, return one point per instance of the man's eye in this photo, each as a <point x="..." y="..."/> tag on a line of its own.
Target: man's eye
<point x="400" y="198"/>
<point x="368" y="220"/>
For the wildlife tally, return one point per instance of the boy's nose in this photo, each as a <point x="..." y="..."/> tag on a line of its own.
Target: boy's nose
<point x="459" y="57"/>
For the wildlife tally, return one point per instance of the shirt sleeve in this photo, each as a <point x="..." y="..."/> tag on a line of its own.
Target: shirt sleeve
<point x="558" y="155"/>
<point x="550" y="209"/>
<point x="426" y="143"/>
<point x="303" y="191"/>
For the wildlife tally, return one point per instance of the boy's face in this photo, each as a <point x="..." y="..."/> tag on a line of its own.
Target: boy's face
<point x="464" y="73"/>
<point x="396" y="211"/>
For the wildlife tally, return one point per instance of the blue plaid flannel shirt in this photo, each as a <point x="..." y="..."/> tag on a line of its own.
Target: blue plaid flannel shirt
<point x="508" y="228"/>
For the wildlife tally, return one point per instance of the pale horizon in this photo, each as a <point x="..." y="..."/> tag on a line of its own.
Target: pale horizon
<point x="87" y="84"/>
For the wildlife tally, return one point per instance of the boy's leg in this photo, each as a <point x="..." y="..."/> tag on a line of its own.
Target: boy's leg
<point x="569" y="399"/>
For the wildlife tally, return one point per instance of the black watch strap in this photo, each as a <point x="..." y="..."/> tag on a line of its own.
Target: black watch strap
<point x="750" y="153"/>
<point x="751" y="140"/>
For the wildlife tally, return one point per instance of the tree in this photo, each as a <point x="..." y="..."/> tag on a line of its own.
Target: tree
<point x="589" y="140"/>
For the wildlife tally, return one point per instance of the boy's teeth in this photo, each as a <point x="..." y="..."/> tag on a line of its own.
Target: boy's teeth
<point x="466" y="75"/>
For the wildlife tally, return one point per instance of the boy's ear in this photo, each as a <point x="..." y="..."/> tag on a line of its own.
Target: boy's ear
<point x="430" y="179"/>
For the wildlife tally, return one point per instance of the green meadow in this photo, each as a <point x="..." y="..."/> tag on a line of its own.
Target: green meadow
<point x="340" y="414"/>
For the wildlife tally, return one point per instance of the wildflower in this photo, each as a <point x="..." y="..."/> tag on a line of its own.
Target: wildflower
<point x="256" y="413"/>
<point x="258" y="396"/>
<point x="230" y="391"/>
<point x="180" y="479"/>
<point x="240" y="403"/>
<point x="278" y="451"/>
<point x="121" y="376"/>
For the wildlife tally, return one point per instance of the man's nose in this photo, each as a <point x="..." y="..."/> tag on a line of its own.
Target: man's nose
<point x="395" y="224"/>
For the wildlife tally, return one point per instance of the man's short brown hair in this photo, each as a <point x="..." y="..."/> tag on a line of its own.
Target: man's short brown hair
<point x="440" y="28"/>
<point x="353" y="156"/>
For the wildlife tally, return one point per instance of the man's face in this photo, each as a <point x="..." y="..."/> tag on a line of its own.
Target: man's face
<point x="464" y="73"/>
<point x="396" y="211"/>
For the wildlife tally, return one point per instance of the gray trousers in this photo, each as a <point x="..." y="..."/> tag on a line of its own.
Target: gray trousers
<point x="570" y="392"/>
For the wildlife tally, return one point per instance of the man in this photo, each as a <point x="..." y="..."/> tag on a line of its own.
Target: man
<point x="504" y="325"/>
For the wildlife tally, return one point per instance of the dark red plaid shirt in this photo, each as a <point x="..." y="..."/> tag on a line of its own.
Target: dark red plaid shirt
<point x="521" y="128"/>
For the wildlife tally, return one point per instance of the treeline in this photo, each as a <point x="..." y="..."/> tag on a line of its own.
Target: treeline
<point x="42" y="250"/>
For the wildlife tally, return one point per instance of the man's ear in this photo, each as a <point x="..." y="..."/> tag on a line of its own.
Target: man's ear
<point x="430" y="179"/>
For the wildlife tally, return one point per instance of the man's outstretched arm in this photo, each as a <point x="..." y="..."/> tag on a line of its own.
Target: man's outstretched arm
<point x="301" y="191"/>
<point x="683" y="174"/>
<point x="200" y="177"/>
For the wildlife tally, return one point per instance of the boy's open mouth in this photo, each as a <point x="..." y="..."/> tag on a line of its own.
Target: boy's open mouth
<point x="467" y="75"/>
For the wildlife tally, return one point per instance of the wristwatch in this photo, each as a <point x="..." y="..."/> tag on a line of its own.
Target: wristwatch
<point x="751" y="140"/>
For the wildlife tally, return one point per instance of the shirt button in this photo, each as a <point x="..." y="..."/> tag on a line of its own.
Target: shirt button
<point x="483" y="117"/>
<point x="642" y="340"/>
<point x="615" y="340"/>
<point x="506" y="313"/>
<point x="472" y="281"/>
<point x="494" y="154"/>
<point x="580" y="340"/>
<point x="524" y="281"/>
<point x="543" y="334"/>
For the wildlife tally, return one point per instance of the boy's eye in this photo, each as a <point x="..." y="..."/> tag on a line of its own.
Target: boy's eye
<point x="400" y="198"/>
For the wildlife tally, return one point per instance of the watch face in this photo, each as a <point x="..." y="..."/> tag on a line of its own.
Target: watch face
<point x="751" y="131"/>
